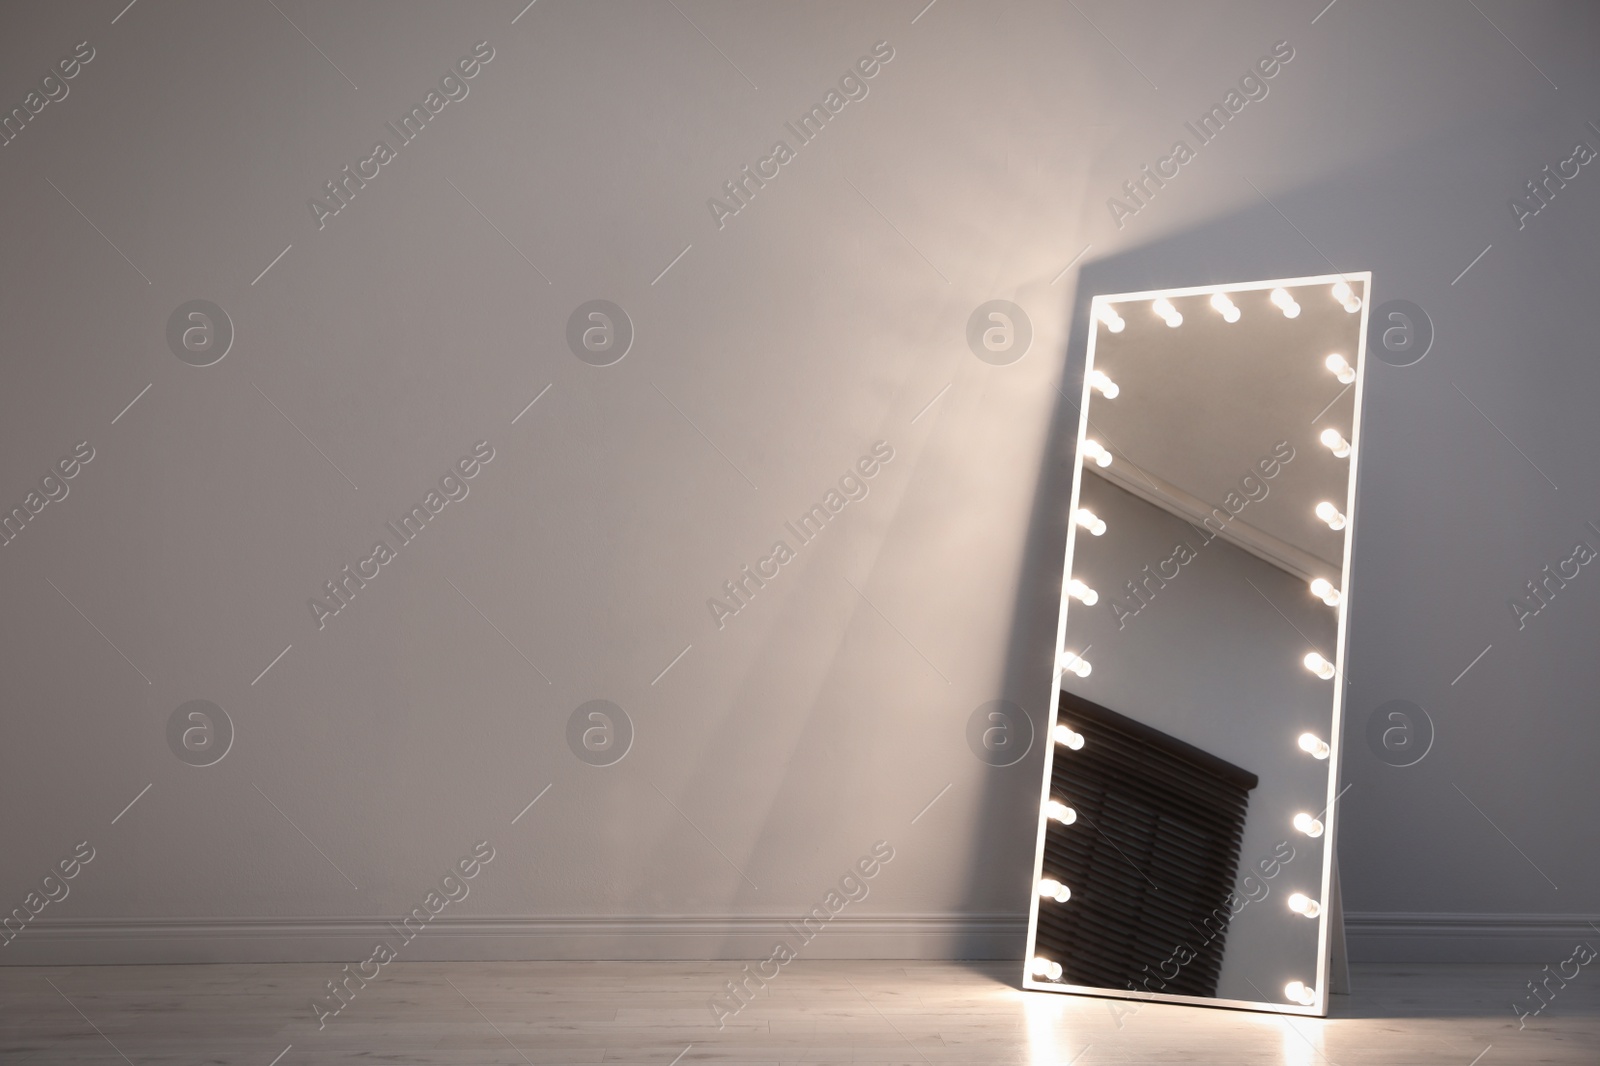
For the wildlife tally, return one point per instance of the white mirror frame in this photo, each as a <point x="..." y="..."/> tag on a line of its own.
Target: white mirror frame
<point x="1318" y="1007"/>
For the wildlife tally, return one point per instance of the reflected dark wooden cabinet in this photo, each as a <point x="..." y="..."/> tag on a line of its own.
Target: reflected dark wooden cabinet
<point x="1151" y="859"/>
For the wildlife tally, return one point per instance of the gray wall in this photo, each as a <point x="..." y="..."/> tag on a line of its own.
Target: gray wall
<point x="770" y="353"/>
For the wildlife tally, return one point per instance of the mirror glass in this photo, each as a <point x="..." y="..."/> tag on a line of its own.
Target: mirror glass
<point x="1187" y="813"/>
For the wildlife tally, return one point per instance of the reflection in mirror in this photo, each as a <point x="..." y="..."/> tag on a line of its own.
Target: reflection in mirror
<point x="1185" y="840"/>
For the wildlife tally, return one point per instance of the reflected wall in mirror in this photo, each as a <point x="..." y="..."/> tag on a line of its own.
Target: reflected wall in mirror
<point x="1187" y="816"/>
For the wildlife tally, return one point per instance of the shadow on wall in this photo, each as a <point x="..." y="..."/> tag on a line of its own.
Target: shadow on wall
<point x="1415" y="234"/>
<point x="1253" y="244"/>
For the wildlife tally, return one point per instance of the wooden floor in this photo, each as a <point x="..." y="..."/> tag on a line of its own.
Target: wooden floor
<point x="813" y="1012"/>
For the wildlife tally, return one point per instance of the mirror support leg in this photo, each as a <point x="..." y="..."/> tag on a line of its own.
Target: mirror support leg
<point x="1338" y="955"/>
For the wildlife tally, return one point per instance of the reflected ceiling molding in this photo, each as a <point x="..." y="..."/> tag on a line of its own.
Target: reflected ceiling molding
<point x="1167" y="496"/>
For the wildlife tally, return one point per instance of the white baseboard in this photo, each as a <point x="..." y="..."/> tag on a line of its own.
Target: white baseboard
<point x="172" y="940"/>
<point x="1401" y="936"/>
<point x="1373" y="937"/>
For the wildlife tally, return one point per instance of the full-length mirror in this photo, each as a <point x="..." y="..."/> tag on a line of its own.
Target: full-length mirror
<point x="1187" y="815"/>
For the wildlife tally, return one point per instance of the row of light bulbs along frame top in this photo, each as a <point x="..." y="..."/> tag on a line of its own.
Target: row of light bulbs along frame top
<point x="1052" y="889"/>
<point x="1222" y="305"/>
<point x="1322" y="588"/>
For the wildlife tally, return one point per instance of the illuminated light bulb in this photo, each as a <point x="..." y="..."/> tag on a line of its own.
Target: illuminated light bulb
<point x="1079" y="591"/>
<point x="1043" y="967"/>
<point x="1113" y="321"/>
<point x="1224" y="307"/>
<point x="1301" y="903"/>
<point x="1076" y="663"/>
<point x="1065" y="734"/>
<point x="1168" y="313"/>
<point x="1107" y="387"/>
<point x="1050" y="888"/>
<point x="1330" y="514"/>
<point x="1285" y="303"/>
<point x="1343" y="293"/>
<point x="1060" y="812"/>
<point x="1323" y="590"/>
<point x="1335" y="442"/>
<point x="1094" y="450"/>
<point x="1308" y="825"/>
<point x="1318" y="665"/>
<point x="1314" y="746"/>
<point x="1340" y="368"/>
<point x="1299" y="993"/>
<point x="1090" y="521"/>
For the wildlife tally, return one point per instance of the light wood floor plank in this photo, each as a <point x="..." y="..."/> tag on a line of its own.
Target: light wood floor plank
<point x="812" y="1013"/>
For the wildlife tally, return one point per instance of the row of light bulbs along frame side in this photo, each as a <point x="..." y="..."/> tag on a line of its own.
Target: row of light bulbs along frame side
<point x="1310" y="743"/>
